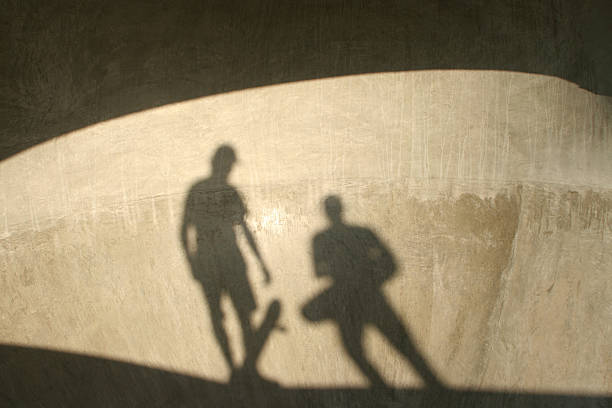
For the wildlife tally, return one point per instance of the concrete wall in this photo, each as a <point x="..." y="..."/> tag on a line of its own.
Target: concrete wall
<point x="491" y="189"/>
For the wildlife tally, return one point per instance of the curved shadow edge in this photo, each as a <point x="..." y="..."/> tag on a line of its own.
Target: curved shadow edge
<point x="71" y="66"/>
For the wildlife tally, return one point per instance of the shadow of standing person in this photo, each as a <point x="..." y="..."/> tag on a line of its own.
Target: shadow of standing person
<point x="213" y="210"/>
<point x="359" y="264"/>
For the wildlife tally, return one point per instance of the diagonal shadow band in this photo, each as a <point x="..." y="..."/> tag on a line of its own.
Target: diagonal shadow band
<point x="33" y="377"/>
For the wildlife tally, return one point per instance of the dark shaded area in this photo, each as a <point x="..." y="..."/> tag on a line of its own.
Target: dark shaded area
<point x="69" y="64"/>
<point x="359" y="263"/>
<point x="31" y="377"/>
<point x="212" y="210"/>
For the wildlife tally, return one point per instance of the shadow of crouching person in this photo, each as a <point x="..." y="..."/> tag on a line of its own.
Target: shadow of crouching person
<point x="359" y="264"/>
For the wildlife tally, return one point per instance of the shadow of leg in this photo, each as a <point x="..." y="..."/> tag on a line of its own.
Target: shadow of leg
<point x="352" y="338"/>
<point x="216" y="316"/>
<point x="392" y="328"/>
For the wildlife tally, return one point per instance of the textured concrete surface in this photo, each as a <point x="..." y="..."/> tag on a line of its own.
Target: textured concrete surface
<point x="483" y="199"/>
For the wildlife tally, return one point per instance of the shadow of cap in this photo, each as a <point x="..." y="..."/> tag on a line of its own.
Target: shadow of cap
<point x="224" y="156"/>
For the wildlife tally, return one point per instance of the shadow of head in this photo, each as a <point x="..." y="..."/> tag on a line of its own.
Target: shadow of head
<point x="223" y="160"/>
<point x="333" y="208"/>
